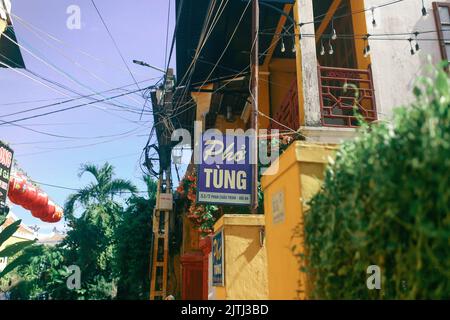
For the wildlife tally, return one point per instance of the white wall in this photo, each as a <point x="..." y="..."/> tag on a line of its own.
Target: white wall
<point x="394" y="69"/>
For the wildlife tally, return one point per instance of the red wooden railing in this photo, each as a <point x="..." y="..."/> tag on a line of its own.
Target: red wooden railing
<point x="288" y="113"/>
<point x="341" y="92"/>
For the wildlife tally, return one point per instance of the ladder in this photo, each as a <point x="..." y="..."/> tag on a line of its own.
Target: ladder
<point x="160" y="250"/>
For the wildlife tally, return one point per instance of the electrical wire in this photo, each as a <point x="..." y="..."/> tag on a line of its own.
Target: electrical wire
<point x="314" y="21"/>
<point x="115" y="43"/>
<point x="59" y="85"/>
<point x="243" y="71"/>
<point x="74" y="97"/>
<point x="76" y="63"/>
<point x="76" y="48"/>
<point x="227" y="45"/>
<point x="203" y="40"/>
<point x="90" y="97"/>
<point x="68" y="108"/>
<point x="51" y="150"/>
<point x="167" y="35"/>
<point x="180" y="9"/>
<point x="76" y="189"/>
<point x="57" y="69"/>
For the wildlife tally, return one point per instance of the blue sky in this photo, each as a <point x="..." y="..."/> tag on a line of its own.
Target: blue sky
<point x="139" y="28"/>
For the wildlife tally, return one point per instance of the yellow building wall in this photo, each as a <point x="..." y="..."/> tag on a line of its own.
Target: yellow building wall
<point x="203" y="101"/>
<point x="2" y="25"/>
<point x="245" y="260"/>
<point x="282" y="73"/>
<point x="300" y="173"/>
<point x="264" y="98"/>
<point x="222" y="124"/>
<point x="191" y="237"/>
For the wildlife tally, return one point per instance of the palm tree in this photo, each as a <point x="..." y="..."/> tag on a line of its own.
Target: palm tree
<point x="99" y="193"/>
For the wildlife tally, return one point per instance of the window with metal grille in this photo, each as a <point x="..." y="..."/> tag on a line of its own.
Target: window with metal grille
<point x="442" y="17"/>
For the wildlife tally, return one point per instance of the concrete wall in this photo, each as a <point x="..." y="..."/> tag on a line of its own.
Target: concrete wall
<point x="394" y="69"/>
<point x="282" y="73"/>
<point x="301" y="171"/>
<point x="245" y="260"/>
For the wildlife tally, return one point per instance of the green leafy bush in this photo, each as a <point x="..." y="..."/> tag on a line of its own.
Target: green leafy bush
<point x="12" y="251"/>
<point x="386" y="201"/>
<point x="133" y="239"/>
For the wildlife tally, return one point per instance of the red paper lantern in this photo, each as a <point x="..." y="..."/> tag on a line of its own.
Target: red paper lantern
<point x="11" y="190"/>
<point x="39" y="212"/>
<point x="17" y="190"/>
<point x="50" y="210"/>
<point x="41" y="200"/>
<point x="30" y="197"/>
<point x="56" y="216"/>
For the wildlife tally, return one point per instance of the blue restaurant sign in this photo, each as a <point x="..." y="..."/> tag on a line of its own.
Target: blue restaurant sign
<point x="217" y="259"/>
<point x="225" y="171"/>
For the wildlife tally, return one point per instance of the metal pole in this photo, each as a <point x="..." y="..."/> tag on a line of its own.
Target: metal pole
<point x="255" y="78"/>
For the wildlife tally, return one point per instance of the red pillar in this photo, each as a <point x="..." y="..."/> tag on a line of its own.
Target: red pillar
<point x="194" y="266"/>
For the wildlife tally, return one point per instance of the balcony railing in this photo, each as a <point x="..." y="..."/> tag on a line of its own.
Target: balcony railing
<point x="344" y="91"/>
<point x="287" y="115"/>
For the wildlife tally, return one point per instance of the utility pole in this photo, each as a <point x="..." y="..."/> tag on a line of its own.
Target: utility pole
<point x="160" y="250"/>
<point x="163" y="213"/>
<point x="255" y="92"/>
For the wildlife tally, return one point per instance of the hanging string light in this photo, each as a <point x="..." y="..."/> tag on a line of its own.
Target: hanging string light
<point x="300" y="25"/>
<point x="283" y="48"/>
<point x="374" y="22"/>
<point x="293" y="44"/>
<point x="411" y="46"/>
<point x="417" y="43"/>
<point x="322" y="48"/>
<point x="424" y="10"/>
<point x="333" y="30"/>
<point x="331" y="50"/>
<point x="366" y="50"/>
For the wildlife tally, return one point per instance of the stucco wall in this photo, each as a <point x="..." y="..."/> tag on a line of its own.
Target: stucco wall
<point x="245" y="260"/>
<point x="394" y="69"/>
<point x="301" y="171"/>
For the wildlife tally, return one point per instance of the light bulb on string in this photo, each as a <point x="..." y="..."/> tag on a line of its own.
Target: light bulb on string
<point x="322" y="48"/>
<point x="331" y="50"/>
<point x="417" y="43"/>
<point x="333" y="31"/>
<point x="300" y="25"/>
<point x="424" y="10"/>
<point x="366" y="50"/>
<point x="293" y="45"/>
<point x="410" y="45"/>
<point x="374" y="22"/>
<point x="283" y="48"/>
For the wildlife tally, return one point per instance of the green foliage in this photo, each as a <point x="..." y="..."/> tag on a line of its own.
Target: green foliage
<point x="134" y="237"/>
<point x="44" y="276"/>
<point x="386" y="201"/>
<point x="90" y="243"/>
<point x="13" y="250"/>
<point x="9" y="231"/>
<point x="110" y="245"/>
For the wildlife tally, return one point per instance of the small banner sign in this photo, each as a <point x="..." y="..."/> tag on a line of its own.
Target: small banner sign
<point x="165" y="201"/>
<point x="6" y="161"/>
<point x="218" y="278"/>
<point x="225" y="172"/>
